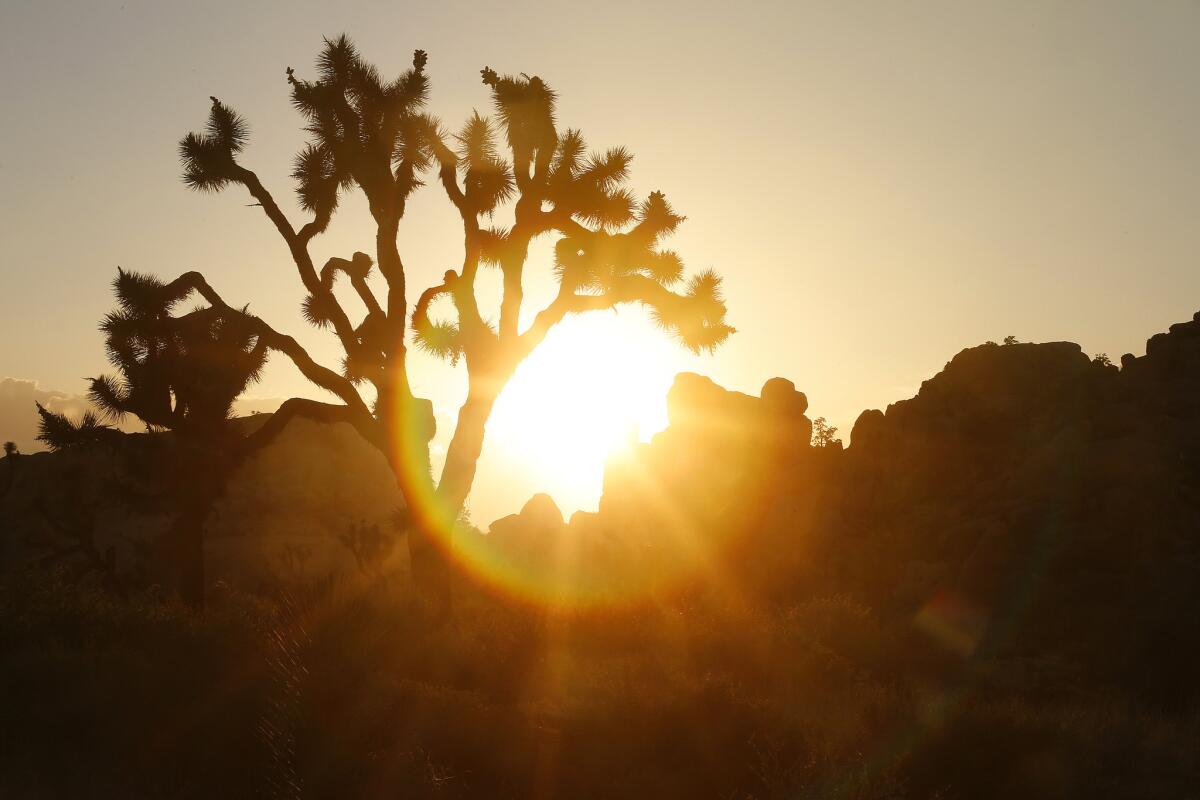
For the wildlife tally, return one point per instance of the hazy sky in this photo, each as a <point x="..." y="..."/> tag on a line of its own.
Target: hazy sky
<point x="881" y="184"/>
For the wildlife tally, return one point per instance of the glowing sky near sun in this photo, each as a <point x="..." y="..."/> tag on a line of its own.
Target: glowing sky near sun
<point x="881" y="184"/>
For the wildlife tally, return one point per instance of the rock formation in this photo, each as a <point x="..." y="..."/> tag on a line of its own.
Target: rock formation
<point x="1023" y="483"/>
<point x="281" y="516"/>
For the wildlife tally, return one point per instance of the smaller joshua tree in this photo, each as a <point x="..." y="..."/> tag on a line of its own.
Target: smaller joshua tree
<point x="182" y="374"/>
<point x="178" y="373"/>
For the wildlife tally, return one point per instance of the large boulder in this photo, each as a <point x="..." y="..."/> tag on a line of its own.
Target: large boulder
<point x="282" y="516"/>
<point x="531" y="531"/>
<point x="784" y="421"/>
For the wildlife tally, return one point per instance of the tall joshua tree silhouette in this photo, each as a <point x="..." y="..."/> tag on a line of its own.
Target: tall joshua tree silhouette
<point x="373" y="135"/>
<point x="178" y="373"/>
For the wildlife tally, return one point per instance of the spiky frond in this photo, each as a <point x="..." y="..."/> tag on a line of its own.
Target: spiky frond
<point x="57" y="432"/>
<point x="227" y="128"/>
<point x="488" y="181"/>
<point x="317" y="179"/>
<point x="316" y="311"/>
<point x="338" y="59"/>
<point x="656" y="218"/>
<point x="208" y="158"/>
<point x="476" y="143"/>
<point x="609" y="170"/>
<point x="365" y="131"/>
<point x="354" y="370"/>
<point x="438" y="338"/>
<point x="666" y="267"/>
<point x="492" y="244"/>
<point x="489" y="185"/>
<point x="706" y="286"/>
<point x="141" y="295"/>
<point x="110" y="396"/>
<point x="592" y="192"/>
<point x="525" y="107"/>
<point x="696" y="318"/>
<point x="568" y="158"/>
<point x="607" y="209"/>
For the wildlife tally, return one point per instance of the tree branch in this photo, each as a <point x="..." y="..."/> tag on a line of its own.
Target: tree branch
<point x="356" y="270"/>
<point x="290" y="410"/>
<point x="322" y="376"/>
<point x="624" y="289"/>
<point x="464" y="293"/>
<point x="298" y="245"/>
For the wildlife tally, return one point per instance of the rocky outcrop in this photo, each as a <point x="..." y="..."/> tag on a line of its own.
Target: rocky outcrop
<point x="281" y="517"/>
<point x="525" y="533"/>
<point x="286" y="508"/>
<point x="1022" y="483"/>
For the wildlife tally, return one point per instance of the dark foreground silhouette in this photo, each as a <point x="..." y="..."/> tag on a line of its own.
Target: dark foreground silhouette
<point x="991" y="593"/>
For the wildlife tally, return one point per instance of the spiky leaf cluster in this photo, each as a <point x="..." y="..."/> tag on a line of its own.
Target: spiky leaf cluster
<point x="208" y="157"/>
<point x="610" y="250"/>
<point x="487" y="178"/>
<point x="697" y="316"/>
<point x="525" y="107"/>
<point x="365" y="130"/>
<point x="173" y="372"/>
<point x="591" y="189"/>
<point x="437" y="337"/>
<point x="58" y="432"/>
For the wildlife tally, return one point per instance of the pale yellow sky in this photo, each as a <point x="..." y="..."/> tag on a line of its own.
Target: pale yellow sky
<point x="881" y="184"/>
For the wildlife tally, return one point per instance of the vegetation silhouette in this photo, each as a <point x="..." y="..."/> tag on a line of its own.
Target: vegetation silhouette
<point x="824" y="434"/>
<point x="177" y="373"/>
<point x="373" y="134"/>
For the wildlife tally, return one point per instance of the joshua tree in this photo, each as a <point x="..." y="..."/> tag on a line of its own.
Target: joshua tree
<point x="373" y="135"/>
<point x="179" y="374"/>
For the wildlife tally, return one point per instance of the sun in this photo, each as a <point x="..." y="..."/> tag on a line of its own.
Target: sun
<point x="598" y="383"/>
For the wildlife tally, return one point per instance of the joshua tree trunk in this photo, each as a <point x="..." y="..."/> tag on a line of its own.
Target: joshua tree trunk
<point x="434" y="511"/>
<point x="187" y="541"/>
<point x="207" y="458"/>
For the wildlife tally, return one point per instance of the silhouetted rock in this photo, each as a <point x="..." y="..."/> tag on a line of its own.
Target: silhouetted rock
<point x="534" y="528"/>
<point x="785" y="407"/>
<point x="279" y="518"/>
<point x="1052" y="494"/>
<point x="867" y="431"/>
